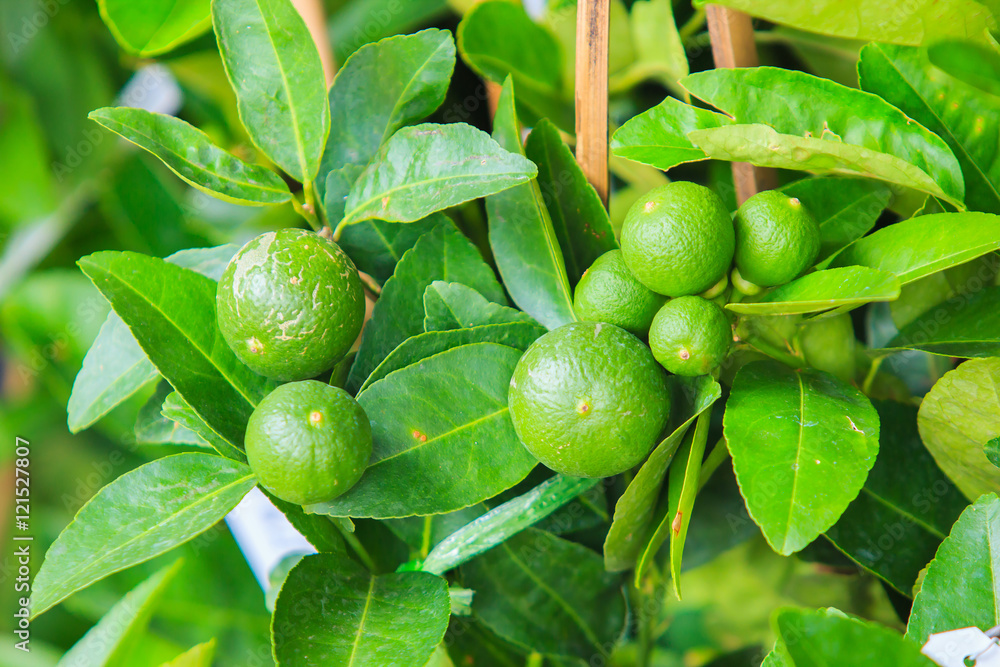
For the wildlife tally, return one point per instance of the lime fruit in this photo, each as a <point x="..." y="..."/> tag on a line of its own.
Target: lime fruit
<point x="608" y="292"/>
<point x="690" y="336"/>
<point x="308" y="442"/>
<point x="290" y="304"/>
<point x="678" y="239"/>
<point x="828" y="344"/>
<point x="589" y="400"/>
<point x="776" y="238"/>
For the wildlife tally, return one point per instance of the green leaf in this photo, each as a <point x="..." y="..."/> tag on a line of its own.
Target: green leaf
<point x="504" y="521"/>
<point x="142" y="514"/>
<point x="905" y="78"/>
<point x="354" y="23"/>
<point x="201" y="655"/>
<point x="920" y="246"/>
<point x="319" y="530"/>
<point x="762" y="146"/>
<point x="912" y="22"/>
<point x="171" y="312"/>
<point x="845" y="208"/>
<point x="578" y="216"/>
<point x="964" y="326"/>
<point x="180" y="411"/>
<point x="547" y="594"/>
<point x="455" y="306"/>
<point x="976" y="65"/>
<point x="376" y="247"/>
<point x="412" y="74"/>
<point x="658" y="45"/>
<point x="992" y="449"/>
<point x="802" y="444"/>
<point x="905" y="509"/>
<point x="518" y="335"/>
<point x="441" y="254"/>
<point x="815" y="292"/>
<point x="191" y="155"/>
<point x="151" y="427"/>
<point x="958" y="415"/>
<point x="275" y="70"/>
<point x="830" y="638"/>
<point x="330" y="611"/>
<point x="426" y="168"/>
<point x="522" y="237"/>
<point x="120" y="631"/>
<point x="151" y="27"/>
<point x="443" y="439"/>
<point x="961" y="588"/>
<point x="682" y="488"/>
<point x="659" y="137"/>
<point x="632" y="526"/>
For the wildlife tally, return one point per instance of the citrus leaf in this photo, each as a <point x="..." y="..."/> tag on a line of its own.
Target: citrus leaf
<point x="802" y="444"/>
<point x="905" y="509"/>
<point x="657" y="42"/>
<point x="504" y="521"/>
<point x="964" y="326"/>
<point x="455" y="306"/>
<point x="376" y="247"/>
<point x="975" y="64"/>
<point x="682" y="488"/>
<point x="151" y="427"/>
<point x="632" y="525"/>
<point x="426" y="168"/>
<point x="191" y="155"/>
<point x="961" y="588"/>
<point x="441" y="254"/>
<point x="958" y="415"/>
<point x="823" y="290"/>
<point x="547" y="594"/>
<point x="180" y="412"/>
<point x="524" y="242"/>
<point x="120" y="631"/>
<point x="920" y="246"/>
<point x="142" y="514"/>
<point x="393" y="620"/>
<point x="171" y="311"/>
<point x="201" y="655"/>
<point x="360" y="22"/>
<point x="579" y="218"/>
<point x="443" y="439"/>
<point x="274" y="68"/>
<point x="151" y="27"/>
<point x="992" y="449"/>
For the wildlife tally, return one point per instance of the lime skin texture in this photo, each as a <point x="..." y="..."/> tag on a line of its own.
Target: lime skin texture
<point x="308" y="442"/>
<point x="608" y="292"/>
<point x="690" y="336"/>
<point x="678" y="239"/>
<point x="588" y="400"/>
<point x="290" y="304"/>
<point x="776" y="238"/>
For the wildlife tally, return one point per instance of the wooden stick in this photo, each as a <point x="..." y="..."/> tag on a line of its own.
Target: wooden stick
<point x="315" y="17"/>
<point x="592" y="27"/>
<point x="731" y="32"/>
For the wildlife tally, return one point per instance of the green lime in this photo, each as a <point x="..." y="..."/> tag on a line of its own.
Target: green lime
<point x="608" y="292"/>
<point x="589" y="400"/>
<point x="776" y="238"/>
<point x="678" y="239"/>
<point x="690" y="336"/>
<point x="828" y="344"/>
<point x="290" y="304"/>
<point x="308" y="442"/>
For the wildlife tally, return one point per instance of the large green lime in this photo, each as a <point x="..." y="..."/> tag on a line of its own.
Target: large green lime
<point x="290" y="304"/>
<point x="608" y="292"/>
<point x="589" y="400"/>
<point x="776" y="238"/>
<point x="308" y="442"/>
<point x="678" y="239"/>
<point x="690" y="336"/>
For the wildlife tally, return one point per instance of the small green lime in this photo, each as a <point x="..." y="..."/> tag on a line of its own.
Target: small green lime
<point x="690" y="336"/>
<point x="608" y="292"/>
<point x="290" y="304"/>
<point x="589" y="400"/>
<point x="828" y="344"/>
<point x="776" y="238"/>
<point x="678" y="239"/>
<point x="308" y="442"/>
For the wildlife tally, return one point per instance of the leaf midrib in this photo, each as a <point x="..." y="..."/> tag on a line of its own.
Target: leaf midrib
<point x="457" y="429"/>
<point x="361" y="623"/>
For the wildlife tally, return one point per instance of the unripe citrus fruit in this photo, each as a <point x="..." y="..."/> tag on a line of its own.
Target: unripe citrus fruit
<point x="588" y="400"/>
<point x="828" y="344"/>
<point x="678" y="239"/>
<point x="308" y="442"/>
<point x="690" y="336"/>
<point x="776" y="238"/>
<point x="608" y="292"/>
<point x="290" y="304"/>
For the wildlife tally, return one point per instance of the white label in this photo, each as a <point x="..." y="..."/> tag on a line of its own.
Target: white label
<point x="952" y="648"/>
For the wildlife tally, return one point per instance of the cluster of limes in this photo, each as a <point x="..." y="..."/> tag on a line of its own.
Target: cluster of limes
<point x="589" y="399"/>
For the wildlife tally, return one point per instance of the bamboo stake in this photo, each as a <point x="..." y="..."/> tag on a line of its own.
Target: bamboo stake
<point x="731" y="32"/>
<point x="592" y="27"/>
